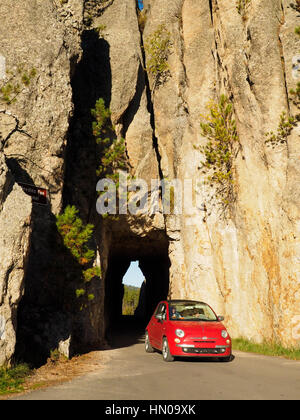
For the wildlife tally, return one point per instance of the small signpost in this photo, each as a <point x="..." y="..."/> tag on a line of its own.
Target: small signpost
<point x="38" y="195"/>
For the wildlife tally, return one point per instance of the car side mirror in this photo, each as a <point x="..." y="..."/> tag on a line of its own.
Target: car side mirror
<point x="159" y="317"/>
<point x="220" y="318"/>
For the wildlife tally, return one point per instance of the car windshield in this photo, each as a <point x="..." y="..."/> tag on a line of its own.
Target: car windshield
<point x="191" y="311"/>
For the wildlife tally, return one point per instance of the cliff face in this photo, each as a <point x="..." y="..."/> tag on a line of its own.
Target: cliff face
<point x="40" y="44"/>
<point x="15" y="218"/>
<point x="245" y="263"/>
<point x="246" y="266"/>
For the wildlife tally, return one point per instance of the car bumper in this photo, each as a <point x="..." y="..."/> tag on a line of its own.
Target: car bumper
<point x="217" y="350"/>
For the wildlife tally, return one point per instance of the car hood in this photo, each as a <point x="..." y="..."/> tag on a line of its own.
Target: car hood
<point x="205" y="328"/>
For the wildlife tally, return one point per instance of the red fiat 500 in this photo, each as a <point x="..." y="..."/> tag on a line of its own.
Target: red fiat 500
<point x="187" y="328"/>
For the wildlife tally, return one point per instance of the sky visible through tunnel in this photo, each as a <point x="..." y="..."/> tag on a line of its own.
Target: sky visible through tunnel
<point x="134" y="276"/>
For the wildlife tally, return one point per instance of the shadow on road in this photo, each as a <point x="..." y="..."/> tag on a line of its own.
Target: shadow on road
<point x="202" y="359"/>
<point x="127" y="332"/>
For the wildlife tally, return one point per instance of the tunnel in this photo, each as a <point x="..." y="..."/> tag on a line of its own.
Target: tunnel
<point x="153" y="260"/>
<point x="49" y="312"/>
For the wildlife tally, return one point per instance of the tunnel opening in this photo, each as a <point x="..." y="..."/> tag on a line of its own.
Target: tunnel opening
<point x="151" y="256"/>
<point x="132" y="283"/>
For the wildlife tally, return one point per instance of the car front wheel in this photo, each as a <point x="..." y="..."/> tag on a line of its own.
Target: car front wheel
<point x="166" y="351"/>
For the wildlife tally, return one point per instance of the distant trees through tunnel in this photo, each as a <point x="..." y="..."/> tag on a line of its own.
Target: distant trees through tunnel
<point x="153" y="280"/>
<point x="132" y="283"/>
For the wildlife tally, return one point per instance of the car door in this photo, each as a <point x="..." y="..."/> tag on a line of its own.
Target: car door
<point x="152" y="327"/>
<point x="160" y="324"/>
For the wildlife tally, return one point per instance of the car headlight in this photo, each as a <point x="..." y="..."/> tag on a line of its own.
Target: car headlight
<point x="224" y="333"/>
<point x="179" y="333"/>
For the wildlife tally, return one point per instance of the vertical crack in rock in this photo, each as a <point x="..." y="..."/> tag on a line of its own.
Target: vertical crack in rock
<point x="222" y="72"/>
<point x="282" y="58"/>
<point x="211" y="11"/>
<point x="134" y="104"/>
<point x="247" y="60"/>
<point x="184" y="82"/>
<point x="13" y="131"/>
<point x="150" y="109"/>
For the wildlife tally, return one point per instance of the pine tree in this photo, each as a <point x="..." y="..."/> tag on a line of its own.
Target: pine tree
<point x="75" y="237"/>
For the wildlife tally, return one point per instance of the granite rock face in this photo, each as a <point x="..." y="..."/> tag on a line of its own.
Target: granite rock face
<point x="246" y="265"/>
<point x="39" y="47"/>
<point x="15" y="219"/>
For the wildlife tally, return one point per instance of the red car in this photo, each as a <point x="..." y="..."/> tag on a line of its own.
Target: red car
<point x="187" y="328"/>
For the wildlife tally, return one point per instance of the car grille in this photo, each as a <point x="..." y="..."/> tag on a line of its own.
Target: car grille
<point x="203" y="350"/>
<point x="204" y="339"/>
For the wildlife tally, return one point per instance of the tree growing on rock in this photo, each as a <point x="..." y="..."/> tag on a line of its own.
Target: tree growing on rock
<point x="222" y="146"/>
<point x="76" y="236"/>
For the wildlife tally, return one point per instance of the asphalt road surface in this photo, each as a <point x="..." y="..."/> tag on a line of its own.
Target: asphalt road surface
<point x="130" y="373"/>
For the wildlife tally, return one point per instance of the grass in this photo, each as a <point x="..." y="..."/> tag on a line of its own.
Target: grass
<point x="12" y="379"/>
<point x="267" y="349"/>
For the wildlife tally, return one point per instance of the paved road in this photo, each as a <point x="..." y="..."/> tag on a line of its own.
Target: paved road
<point x="132" y="374"/>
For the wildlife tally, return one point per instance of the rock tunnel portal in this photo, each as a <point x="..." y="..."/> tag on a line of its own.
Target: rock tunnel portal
<point x="154" y="263"/>
<point x="49" y="314"/>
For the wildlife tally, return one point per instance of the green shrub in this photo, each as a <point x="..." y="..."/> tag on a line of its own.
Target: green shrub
<point x="220" y="150"/>
<point x="266" y="348"/>
<point x="17" y="83"/>
<point x="158" y="48"/>
<point x="286" y="124"/>
<point x="76" y="237"/>
<point x="142" y="19"/>
<point x="242" y="5"/>
<point x="112" y="149"/>
<point x="100" y="30"/>
<point x="113" y="157"/>
<point x="9" y="93"/>
<point x="12" y="380"/>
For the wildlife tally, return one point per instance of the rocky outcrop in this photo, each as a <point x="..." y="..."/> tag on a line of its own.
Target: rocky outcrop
<point x="35" y="110"/>
<point x="241" y="264"/>
<point x="15" y="218"/>
<point x="246" y="266"/>
<point x="244" y="262"/>
<point x="46" y="53"/>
